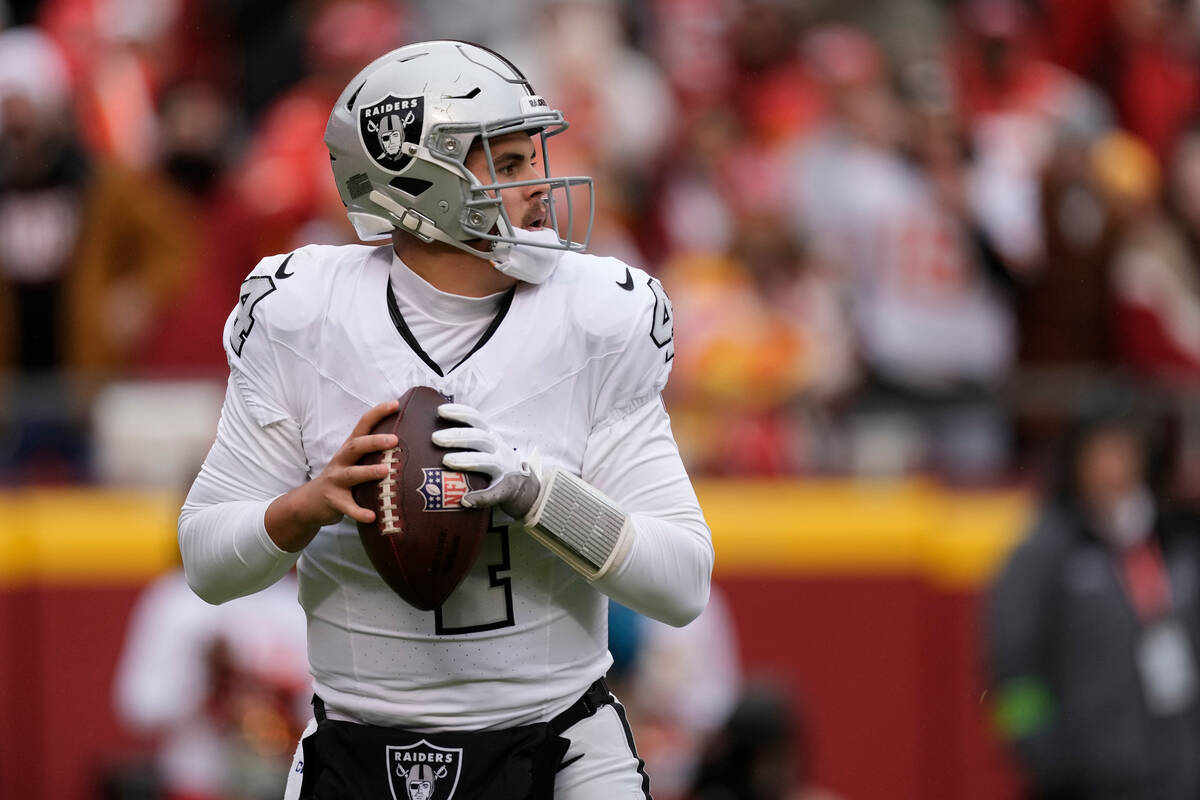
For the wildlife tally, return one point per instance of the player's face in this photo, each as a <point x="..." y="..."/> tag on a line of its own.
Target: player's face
<point x="516" y="159"/>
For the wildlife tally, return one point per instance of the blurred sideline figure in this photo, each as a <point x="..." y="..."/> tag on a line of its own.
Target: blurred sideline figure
<point x="1094" y="624"/>
<point x="682" y="683"/>
<point x="87" y="255"/>
<point x="754" y="754"/>
<point x="221" y="692"/>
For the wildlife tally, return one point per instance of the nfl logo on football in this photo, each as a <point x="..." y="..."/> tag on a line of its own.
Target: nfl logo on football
<point x="443" y="490"/>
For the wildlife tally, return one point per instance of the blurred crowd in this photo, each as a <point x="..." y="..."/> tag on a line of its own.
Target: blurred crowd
<point x="901" y="236"/>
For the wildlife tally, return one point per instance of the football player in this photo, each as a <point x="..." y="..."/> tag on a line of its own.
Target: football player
<point x="555" y="361"/>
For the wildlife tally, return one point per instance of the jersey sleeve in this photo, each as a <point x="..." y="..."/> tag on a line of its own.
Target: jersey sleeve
<point x="256" y="457"/>
<point x="223" y="538"/>
<point x="637" y="371"/>
<point x="254" y="367"/>
<point x="668" y="569"/>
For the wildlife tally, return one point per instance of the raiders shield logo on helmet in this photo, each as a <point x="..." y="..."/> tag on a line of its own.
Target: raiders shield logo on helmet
<point x="386" y="125"/>
<point x="423" y="771"/>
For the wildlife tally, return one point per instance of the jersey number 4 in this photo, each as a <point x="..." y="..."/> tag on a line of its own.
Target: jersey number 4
<point x="254" y="288"/>
<point x="662" y="323"/>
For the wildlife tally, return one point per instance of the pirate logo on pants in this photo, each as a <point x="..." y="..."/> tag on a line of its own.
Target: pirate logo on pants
<point x="384" y="127"/>
<point x="423" y="771"/>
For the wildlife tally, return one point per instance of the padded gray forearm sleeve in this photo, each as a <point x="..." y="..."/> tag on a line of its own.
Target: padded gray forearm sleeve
<point x="580" y="524"/>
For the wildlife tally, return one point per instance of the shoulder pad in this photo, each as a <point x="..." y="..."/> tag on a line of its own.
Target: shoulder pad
<point x="609" y="298"/>
<point x="628" y="316"/>
<point x="288" y="292"/>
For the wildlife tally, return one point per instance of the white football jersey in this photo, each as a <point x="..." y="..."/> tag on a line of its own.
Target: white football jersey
<point x="315" y="341"/>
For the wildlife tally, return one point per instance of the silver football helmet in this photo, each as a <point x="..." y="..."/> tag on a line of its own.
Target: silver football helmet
<point x="398" y="138"/>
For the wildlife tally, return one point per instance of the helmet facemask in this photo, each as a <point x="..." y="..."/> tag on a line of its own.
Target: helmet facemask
<point x="484" y="215"/>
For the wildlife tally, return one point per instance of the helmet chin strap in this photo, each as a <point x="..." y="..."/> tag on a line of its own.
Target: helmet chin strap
<point x="420" y="226"/>
<point x="533" y="262"/>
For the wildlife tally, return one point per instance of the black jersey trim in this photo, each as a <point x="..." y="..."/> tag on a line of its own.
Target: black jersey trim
<point x="501" y="313"/>
<point x="407" y="334"/>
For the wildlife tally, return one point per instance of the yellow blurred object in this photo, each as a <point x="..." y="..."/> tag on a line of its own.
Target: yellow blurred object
<point x="736" y="350"/>
<point x="1126" y="168"/>
<point x="89" y="537"/>
<point x="760" y="527"/>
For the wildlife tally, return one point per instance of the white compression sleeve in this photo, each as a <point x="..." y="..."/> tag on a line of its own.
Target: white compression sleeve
<point x="666" y="572"/>
<point x="222" y="534"/>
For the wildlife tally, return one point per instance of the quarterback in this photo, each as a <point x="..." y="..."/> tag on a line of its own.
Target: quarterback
<point x="555" y="361"/>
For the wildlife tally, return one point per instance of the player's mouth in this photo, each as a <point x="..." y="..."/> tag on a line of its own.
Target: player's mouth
<point x="535" y="223"/>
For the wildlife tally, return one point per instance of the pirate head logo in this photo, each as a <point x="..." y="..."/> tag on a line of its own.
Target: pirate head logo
<point x="386" y="125"/>
<point x="423" y="771"/>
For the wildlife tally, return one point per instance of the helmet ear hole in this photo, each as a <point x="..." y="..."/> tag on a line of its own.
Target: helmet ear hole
<point x="413" y="186"/>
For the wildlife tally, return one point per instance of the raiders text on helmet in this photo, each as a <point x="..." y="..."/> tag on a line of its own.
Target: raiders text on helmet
<point x="398" y="138"/>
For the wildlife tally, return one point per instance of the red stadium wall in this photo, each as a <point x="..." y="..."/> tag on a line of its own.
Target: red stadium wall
<point x="862" y="599"/>
<point x="887" y="673"/>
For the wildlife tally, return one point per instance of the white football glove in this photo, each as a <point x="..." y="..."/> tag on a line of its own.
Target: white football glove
<point x="514" y="484"/>
<point x="575" y="521"/>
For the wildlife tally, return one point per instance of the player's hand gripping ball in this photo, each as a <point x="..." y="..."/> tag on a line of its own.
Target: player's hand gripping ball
<point x="423" y="540"/>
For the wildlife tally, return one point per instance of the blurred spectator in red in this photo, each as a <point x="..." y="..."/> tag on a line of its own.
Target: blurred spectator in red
<point x="111" y="50"/>
<point x="864" y="127"/>
<point x="765" y="342"/>
<point x="1079" y="36"/>
<point x="690" y="40"/>
<point x="1065" y="304"/>
<point x="1157" y="81"/>
<point x="999" y="67"/>
<point x="775" y="93"/>
<point x="88" y="251"/>
<point x="730" y="157"/>
<point x="883" y="188"/>
<point x="1016" y="105"/>
<point x="283" y="179"/>
<point x="732" y="154"/>
<point x="196" y="127"/>
<point x="123" y="53"/>
<point x="695" y="206"/>
<point x="1155" y="273"/>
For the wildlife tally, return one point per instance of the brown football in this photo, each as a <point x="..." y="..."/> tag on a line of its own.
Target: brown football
<point x="422" y="542"/>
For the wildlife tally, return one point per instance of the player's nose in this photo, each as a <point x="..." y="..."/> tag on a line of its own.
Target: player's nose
<point x="537" y="192"/>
